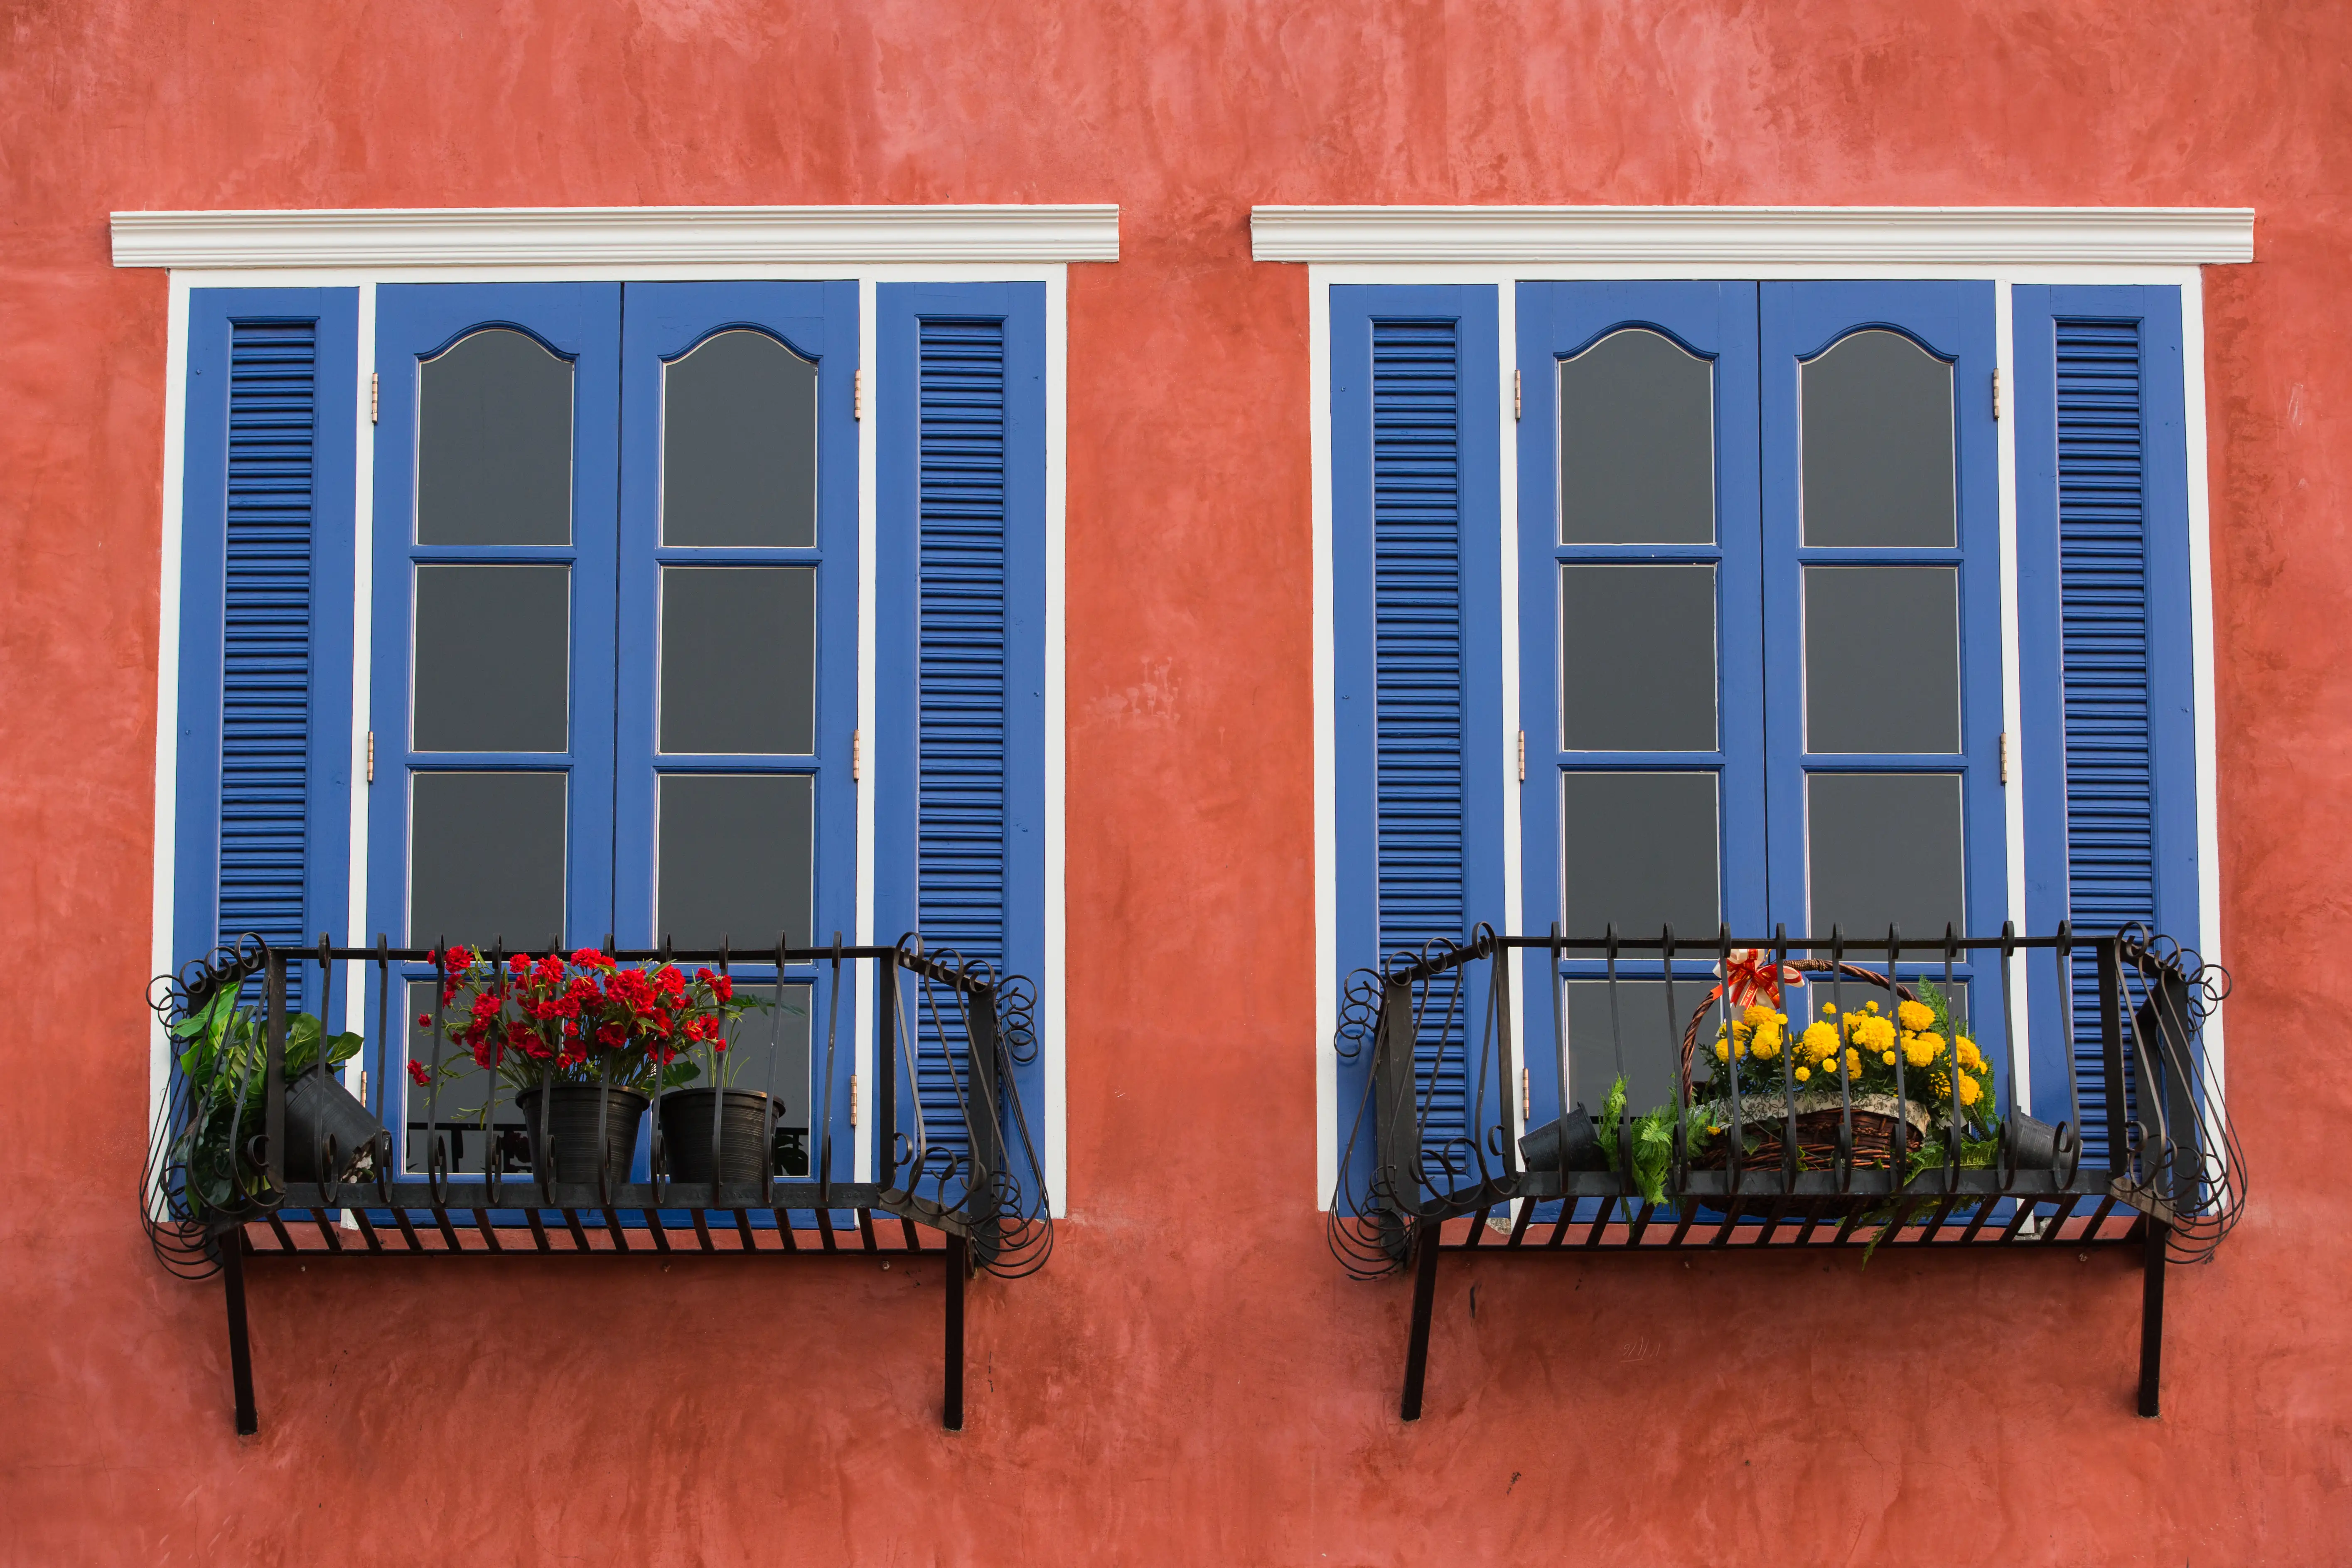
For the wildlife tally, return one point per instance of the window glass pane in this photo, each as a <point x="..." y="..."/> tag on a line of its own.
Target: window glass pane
<point x="738" y="660"/>
<point x="494" y="443"/>
<point x="1637" y="658"/>
<point x="1640" y="850"/>
<point x="1885" y="846"/>
<point x="1879" y="444"/>
<point x="485" y="858"/>
<point x="492" y="663"/>
<point x="781" y="1035"/>
<point x="1881" y="659"/>
<point x="1651" y="1044"/>
<point x="1636" y="444"/>
<point x="736" y="858"/>
<point x="738" y="444"/>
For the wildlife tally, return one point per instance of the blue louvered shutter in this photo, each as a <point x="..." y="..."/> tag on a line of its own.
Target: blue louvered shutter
<point x="263" y="774"/>
<point x="960" y="722"/>
<point x="1418" y="713"/>
<point x="959" y="766"/>
<point x="1418" y="726"/>
<point x="2104" y="519"/>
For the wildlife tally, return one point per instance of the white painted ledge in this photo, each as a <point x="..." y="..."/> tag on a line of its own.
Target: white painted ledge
<point x="615" y="237"/>
<point x="2171" y="237"/>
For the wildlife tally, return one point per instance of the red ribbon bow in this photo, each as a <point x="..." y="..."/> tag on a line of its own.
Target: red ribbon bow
<point x="1752" y="975"/>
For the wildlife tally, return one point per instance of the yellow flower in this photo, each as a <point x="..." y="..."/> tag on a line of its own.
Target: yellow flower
<point x="1722" y="1051"/>
<point x="1970" y="1057"/>
<point x="1804" y="1073"/>
<point x="1871" y="1007"/>
<point x="1921" y="1050"/>
<point x="1829" y="1010"/>
<point x="1969" y="1092"/>
<point x="1819" y="1041"/>
<point x="1872" y="1033"/>
<point x="1888" y="1058"/>
<point x="1758" y="1015"/>
<point x="1853" y="1063"/>
<point x="1917" y="1015"/>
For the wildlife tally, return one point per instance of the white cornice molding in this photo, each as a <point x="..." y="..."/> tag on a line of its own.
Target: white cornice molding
<point x="2169" y="236"/>
<point x="615" y="237"/>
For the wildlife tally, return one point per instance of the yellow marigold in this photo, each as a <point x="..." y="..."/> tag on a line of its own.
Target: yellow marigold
<point x="1917" y="1015"/>
<point x="1888" y="1058"/>
<point x="1758" y="1014"/>
<point x="1921" y="1050"/>
<point x="1970" y="1092"/>
<point x="1829" y="1010"/>
<point x="1722" y="1050"/>
<point x="1804" y="1073"/>
<point x="1853" y="1063"/>
<point x="1970" y="1057"/>
<point x="1819" y="1042"/>
<point x="1872" y="1033"/>
<point x="1869" y="1007"/>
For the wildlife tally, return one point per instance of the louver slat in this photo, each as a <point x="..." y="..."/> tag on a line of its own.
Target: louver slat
<point x="1417" y="574"/>
<point x="266" y="646"/>
<point x="2104" y="628"/>
<point x="960" y="669"/>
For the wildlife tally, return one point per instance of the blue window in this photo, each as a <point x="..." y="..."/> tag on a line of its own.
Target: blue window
<point x="1757" y="582"/>
<point x="615" y="599"/>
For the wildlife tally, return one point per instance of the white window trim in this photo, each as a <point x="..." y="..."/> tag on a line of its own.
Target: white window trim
<point x="362" y="249"/>
<point x="1505" y="246"/>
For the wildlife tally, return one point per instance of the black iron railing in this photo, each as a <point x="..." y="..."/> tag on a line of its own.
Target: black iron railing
<point x="1425" y="1171"/>
<point x="973" y="1191"/>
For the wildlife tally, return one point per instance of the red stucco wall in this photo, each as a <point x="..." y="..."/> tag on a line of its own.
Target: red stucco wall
<point x="1192" y="1380"/>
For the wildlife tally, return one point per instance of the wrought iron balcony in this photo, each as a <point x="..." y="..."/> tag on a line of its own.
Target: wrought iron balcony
<point x="1435" y="1159"/>
<point x="961" y="1176"/>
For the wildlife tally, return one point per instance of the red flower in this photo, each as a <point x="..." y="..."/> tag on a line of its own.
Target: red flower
<point x="424" y="1021"/>
<point x="418" y="1072"/>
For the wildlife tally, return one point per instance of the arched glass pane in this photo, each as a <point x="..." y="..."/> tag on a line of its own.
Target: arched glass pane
<point x="738" y="444"/>
<point x="1878" y="445"/>
<point x="494" y="443"/>
<point x="1636" y="443"/>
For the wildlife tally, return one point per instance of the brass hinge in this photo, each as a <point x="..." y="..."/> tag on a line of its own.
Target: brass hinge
<point x="1523" y="756"/>
<point x="2004" y="756"/>
<point x="857" y="394"/>
<point x="1523" y="1094"/>
<point x="374" y="402"/>
<point x="371" y="778"/>
<point x="1514" y="393"/>
<point x="854" y="1086"/>
<point x="857" y="754"/>
<point x="1995" y="394"/>
<point x="362" y="1086"/>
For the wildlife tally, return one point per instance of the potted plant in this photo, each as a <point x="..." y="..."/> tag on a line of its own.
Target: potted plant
<point x="740" y="1124"/>
<point x="223" y="1059"/>
<point x="584" y="1043"/>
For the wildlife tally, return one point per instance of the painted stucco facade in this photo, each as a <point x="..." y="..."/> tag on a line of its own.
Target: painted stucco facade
<point x="1192" y="1380"/>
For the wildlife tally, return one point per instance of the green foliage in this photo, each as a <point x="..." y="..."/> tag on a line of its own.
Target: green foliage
<point x="224" y="1062"/>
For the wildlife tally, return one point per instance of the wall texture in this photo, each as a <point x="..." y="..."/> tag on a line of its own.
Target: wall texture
<point x="1192" y="1380"/>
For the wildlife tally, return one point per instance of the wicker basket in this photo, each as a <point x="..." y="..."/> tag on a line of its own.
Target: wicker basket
<point x="1817" y="1124"/>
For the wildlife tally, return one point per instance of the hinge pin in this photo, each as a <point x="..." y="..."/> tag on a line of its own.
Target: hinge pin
<point x="370" y="757"/>
<point x="854" y="1097"/>
<point x="376" y="404"/>
<point x="1514" y="393"/>
<point x="2004" y="756"/>
<point x="1523" y="756"/>
<point x="857" y="394"/>
<point x="857" y="753"/>
<point x="1995" y="394"/>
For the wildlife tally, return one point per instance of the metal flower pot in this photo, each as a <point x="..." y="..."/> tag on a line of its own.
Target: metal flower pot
<point x="571" y="1148"/>
<point x="1572" y="1134"/>
<point x="330" y="1135"/>
<point x="2030" y="1144"/>
<point x="745" y="1119"/>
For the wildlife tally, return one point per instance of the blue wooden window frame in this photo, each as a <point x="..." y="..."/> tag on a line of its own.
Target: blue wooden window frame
<point x="580" y="322"/>
<point x="961" y="450"/>
<point x="2056" y="327"/>
<point x="216" y="502"/>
